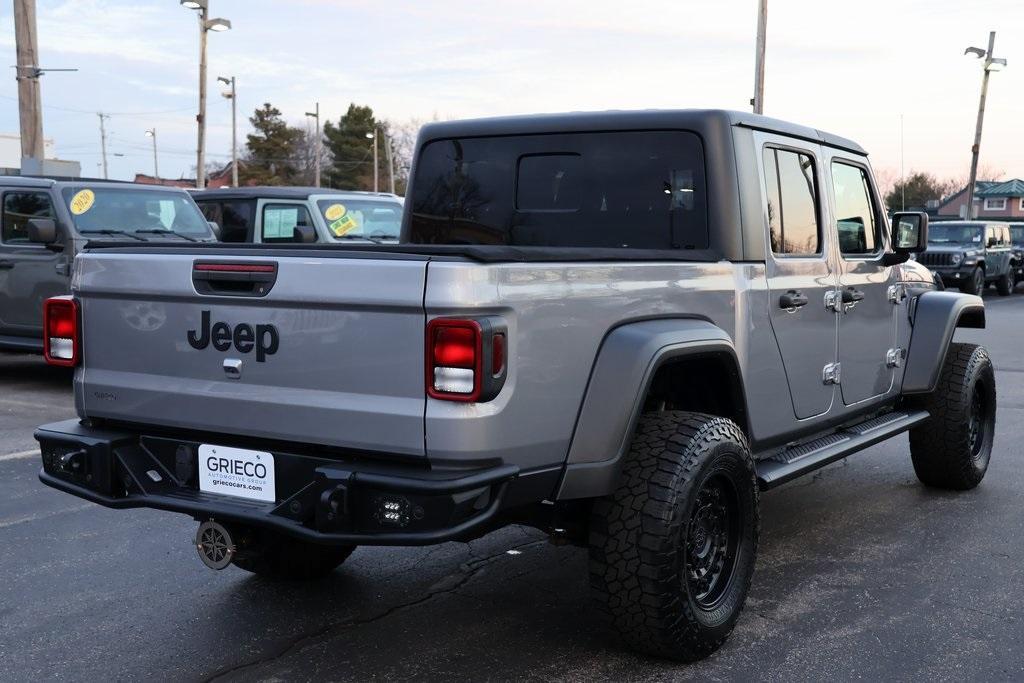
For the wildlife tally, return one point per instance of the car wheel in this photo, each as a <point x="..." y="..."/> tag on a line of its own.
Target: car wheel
<point x="672" y="550"/>
<point x="952" y="449"/>
<point x="1004" y="285"/>
<point x="275" y="556"/>
<point x="975" y="284"/>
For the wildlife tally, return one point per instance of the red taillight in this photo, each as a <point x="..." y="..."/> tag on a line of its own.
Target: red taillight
<point x="466" y="358"/>
<point x="453" y="359"/>
<point x="60" y="331"/>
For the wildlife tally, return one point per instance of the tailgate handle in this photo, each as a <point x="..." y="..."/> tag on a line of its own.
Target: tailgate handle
<point x="237" y="278"/>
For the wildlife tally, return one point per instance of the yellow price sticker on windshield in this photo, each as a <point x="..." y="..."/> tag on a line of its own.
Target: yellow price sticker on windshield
<point x="82" y="201"/>
<point x="334" y="212"/>
<point x="343" y="226"/>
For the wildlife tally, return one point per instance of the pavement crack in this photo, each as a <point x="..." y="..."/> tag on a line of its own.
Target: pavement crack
<point x="450" y="584"/>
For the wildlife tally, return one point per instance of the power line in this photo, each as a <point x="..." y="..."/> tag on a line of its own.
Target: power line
<point x="113" y="113"/>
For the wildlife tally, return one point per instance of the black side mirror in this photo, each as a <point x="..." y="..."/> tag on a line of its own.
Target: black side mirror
<point x="215" y="227"/>
<point x="909" y="236"/>
<point x="304" y="234"/>
<point x="42" y="230"/>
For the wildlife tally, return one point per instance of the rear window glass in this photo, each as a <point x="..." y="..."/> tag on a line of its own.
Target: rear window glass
<point x="642" y="190"/>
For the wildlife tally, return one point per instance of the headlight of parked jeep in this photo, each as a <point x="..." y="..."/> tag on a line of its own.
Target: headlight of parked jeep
<point x="957" y="259"/>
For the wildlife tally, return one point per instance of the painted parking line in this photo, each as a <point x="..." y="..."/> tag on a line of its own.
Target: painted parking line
<point x="21" y="455"/>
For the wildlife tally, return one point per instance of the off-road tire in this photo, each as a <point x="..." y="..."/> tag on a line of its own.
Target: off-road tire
<point x="640" y="567"/>
<point x="952" y="449"/>
<point x="285" y="558"/>
<point x="974" y="284"/>
<point x="1005" y="284"/>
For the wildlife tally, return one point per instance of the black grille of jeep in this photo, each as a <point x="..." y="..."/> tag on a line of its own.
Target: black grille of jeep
<point x="935" y="259"/>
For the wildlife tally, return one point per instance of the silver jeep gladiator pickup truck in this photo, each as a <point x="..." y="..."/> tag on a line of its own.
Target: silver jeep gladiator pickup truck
<point x="617" y="327"/>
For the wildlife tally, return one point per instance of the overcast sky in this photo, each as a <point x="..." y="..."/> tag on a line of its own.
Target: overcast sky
<point x="851" y="67"/>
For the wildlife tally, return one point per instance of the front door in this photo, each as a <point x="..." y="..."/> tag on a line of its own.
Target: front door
<point x="29" y="273"/>
<point x="867" y="321"/>
<point x="800" y="272"/>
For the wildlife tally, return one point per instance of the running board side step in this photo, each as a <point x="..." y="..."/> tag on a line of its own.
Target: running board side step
<point x="798" y="460"/>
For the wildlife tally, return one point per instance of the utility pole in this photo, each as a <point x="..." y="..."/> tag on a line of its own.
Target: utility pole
<point x="391" y="161"/>
<point x="991" y="64"/>
<point x="103" y="141"/>
<point x="762" y="29"/>
<point x="27" y="74"/>
<point x="151" y="133"/>
<point x="233" y="96"/>
<point x="315" y="114"/>
<point x="376" y="170"/>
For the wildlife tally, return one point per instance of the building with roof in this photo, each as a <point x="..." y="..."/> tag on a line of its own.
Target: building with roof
<point x="999" y="199"/>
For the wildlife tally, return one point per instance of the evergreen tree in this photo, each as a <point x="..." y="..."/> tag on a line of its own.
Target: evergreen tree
<point x="271" y="150"/>
<point x="351" y="152"/>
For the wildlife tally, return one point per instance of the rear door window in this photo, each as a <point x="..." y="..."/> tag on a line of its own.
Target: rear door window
<point x="18" y="209"/>
<point x="790" y="182"/>
<point x="635" y="189"/>
<point x="233" y="216"/>
<point x="280" y="221"/>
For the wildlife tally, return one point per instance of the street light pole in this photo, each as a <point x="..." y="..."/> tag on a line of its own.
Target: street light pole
<point x="151" y="133"/>
<point x="234" y="127"/>
<point x="990" y="64"/>
<point x="205" y="24"/>
<point x="391" y="161"/>
<point x="762" y="30"/>
<point x="316" y="146"/>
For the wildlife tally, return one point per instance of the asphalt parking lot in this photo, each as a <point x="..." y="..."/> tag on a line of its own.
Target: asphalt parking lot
<point x="862" y="573"/>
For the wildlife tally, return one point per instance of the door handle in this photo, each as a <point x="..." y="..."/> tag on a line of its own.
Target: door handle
<point x="6" y="264"/>
<point x="792" y="300"/>
<point x="852" y="296"/>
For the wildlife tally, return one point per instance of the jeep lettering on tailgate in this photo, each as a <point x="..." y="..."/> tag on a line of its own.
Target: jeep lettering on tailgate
<point x="263" y="338"/>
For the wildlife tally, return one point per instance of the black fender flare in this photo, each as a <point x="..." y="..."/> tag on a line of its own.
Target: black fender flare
<point x="935" y="316"/>
<point x="627" y="361"/>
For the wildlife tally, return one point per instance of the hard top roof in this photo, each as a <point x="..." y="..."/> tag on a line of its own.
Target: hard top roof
<point x="280" y="192"/>
<point x="66" y="181"/>
<point x="574" y="122"/>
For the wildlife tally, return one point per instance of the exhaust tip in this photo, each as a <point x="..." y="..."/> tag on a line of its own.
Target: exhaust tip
<point x="215" y="546"/>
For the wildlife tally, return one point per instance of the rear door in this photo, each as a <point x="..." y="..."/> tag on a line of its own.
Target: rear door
<point x="332" y="354"/>
<point x="800" y="270"/>
<point x="29" y="273"/>
<point x="867" y="322"/>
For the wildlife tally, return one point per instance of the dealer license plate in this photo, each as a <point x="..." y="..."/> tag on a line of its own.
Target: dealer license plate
<point x="237" y="472"/>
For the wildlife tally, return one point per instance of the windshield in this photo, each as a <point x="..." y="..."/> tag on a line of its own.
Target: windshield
<point x="954" y="233"/>
<point x="350" y="218"/>
<point x="114" y="209"/>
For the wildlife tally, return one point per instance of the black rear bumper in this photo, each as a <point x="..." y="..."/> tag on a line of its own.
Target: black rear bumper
<point x="319" y="499"/>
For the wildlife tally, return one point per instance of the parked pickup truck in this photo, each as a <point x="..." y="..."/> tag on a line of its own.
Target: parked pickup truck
<point x="274" y="215"/>
<point x="619" y="327"/>
<point x="44" y="223"/>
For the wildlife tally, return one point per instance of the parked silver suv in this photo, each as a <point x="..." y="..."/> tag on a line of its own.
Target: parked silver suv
<point x="617" y="327"/>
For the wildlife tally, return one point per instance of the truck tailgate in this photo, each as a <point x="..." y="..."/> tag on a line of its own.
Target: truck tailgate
<point x="332" y="355"/>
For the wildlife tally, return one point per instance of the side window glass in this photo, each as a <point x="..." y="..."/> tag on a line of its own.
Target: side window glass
<point x="280" y="221"/>
<point x="792" y="203"/>
<point x="855" y="213"/>
<point x="19" y="207"/>
<point x="237" y="221"/>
